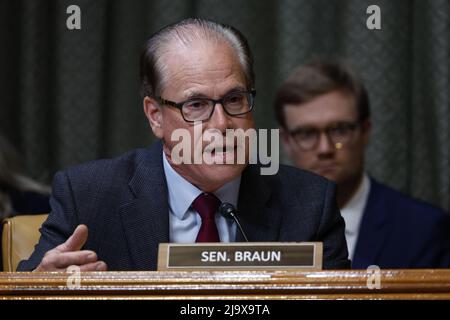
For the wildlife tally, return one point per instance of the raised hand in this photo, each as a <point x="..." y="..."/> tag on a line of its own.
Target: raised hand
<point x="69" y="253"/>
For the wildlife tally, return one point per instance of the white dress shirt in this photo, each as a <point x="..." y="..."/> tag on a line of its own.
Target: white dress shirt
<point x="184" y="222"/>
<point x="353" y="212"/>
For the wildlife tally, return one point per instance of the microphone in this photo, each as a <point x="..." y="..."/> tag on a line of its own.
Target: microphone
<point x="229" y="211"/>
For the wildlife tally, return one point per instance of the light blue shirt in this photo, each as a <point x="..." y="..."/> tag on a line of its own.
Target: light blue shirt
<point x="184" y="222"/>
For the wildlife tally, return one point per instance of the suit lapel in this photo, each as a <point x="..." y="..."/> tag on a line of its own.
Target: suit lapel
<point x="373" y="230"/>
<point x="145" y="218"/>
<point x="259" y="221"/>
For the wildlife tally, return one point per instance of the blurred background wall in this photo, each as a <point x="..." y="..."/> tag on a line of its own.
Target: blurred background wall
<point x="67" y="97"/>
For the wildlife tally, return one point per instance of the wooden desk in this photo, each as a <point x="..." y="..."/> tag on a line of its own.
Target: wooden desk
<point x="395" y="284"/>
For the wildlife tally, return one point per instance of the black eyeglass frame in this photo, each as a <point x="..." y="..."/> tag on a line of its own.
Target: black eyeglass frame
<point x="250" y="95"/>
<point x="351" y="126"/>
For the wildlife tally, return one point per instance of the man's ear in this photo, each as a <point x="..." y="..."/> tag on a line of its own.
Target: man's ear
<point x="153" y="112"/>
<point x="366" y="129"/>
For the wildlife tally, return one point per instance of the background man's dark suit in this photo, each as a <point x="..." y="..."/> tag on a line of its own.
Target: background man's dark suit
<point x="400" y="232"/>
<point x="124" y="204"/>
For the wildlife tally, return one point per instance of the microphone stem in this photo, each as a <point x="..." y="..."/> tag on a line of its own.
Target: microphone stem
<point x="240" y="227"/>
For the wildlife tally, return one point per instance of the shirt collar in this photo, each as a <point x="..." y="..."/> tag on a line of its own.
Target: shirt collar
<point x="182" y="193"/>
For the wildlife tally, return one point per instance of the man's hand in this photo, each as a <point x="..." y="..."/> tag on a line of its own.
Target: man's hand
<point x="69" y="253"/>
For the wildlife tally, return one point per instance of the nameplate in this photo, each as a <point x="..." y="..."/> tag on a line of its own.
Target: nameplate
<point x="240" y="256"/>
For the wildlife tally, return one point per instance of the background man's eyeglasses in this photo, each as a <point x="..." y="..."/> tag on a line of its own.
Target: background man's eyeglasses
<point x="339" y="134"/>
<point x="202" y="109"/>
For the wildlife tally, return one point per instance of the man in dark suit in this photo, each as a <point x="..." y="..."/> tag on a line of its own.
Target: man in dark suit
<point x="196" y="75"/>
<point x="323" y="110"/>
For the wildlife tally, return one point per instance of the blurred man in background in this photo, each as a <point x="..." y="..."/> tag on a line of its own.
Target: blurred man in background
<point x="19" y="194"/>
<point x="324" y="114"/>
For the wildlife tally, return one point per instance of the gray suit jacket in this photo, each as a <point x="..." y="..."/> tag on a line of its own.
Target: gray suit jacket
<point x="124" y="203"/>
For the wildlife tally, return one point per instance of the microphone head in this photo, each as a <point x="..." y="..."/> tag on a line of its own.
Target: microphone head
<point x="227" y="210"/>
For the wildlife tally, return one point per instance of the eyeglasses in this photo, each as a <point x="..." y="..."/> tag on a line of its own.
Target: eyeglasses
<point x="201" y="109"/>
<point x="340" y="133"/>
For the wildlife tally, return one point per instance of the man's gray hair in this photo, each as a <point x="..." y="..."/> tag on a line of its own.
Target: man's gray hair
<point x="153" y="68"/>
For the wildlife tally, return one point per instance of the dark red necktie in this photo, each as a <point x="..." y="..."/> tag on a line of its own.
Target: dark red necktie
<point x="206" y="205"/>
